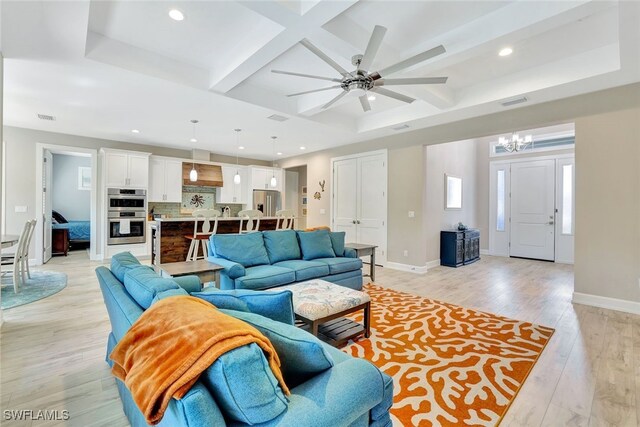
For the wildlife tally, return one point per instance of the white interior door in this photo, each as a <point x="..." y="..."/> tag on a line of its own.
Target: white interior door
<point x="46" y="205"/>
<point x="345" y="209"/>
<point x="533" y="209"/>
<point x="372" y="203"/>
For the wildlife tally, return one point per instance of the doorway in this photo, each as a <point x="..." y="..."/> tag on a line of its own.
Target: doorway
<point x="359" y="199"/>
<point x="532" y="208"/>
<point x="78" y="222"/>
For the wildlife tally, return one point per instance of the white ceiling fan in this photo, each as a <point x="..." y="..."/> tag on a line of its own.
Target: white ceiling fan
<point x="362" y="81"/>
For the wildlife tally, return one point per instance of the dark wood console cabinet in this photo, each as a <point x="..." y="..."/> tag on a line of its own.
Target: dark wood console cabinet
<point x="459" y="247"/>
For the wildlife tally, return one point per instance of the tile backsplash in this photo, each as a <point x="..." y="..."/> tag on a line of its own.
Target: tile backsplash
<point x="207" y="195"/>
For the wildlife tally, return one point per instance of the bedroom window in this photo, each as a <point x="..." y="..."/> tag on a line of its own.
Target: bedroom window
<point x="84" y="178"/>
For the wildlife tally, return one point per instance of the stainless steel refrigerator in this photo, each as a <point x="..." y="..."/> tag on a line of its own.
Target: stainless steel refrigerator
<point x="266" y="201"/>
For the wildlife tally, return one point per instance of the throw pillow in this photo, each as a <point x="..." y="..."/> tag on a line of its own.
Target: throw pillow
<point x="315" y="244"/>
<point x="143" y="284"/>
<point x="244" y="386"/>
<point x="282" y="245"/>
<point x="337" y="241"/>
<point x="121" y="263"/>
<point x="276" y="305"/>
<point x="245" y="249"/>
<point x="302" y="355"/>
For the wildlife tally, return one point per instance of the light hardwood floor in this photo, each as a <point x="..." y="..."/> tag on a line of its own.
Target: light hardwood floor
<point x="52" y="351"/>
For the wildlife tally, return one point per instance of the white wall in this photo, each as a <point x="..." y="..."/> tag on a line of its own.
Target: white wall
<point x="67" y="199"/>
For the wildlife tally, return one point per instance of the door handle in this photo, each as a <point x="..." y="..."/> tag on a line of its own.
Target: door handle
<point x="358" y="221"/>
<point x="550" y="222"/>
<point x="354" y="221"/>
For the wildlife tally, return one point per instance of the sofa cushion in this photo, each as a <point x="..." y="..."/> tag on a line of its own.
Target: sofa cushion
<point x="143" y="284"/>
<point x="305" y="270"/>
<point x="302" y="355"/>
<point x="341" y="265"/>
<point x="122" y="262"/>
<point x="245" y="249"/>
<point x="337" y="242"/>
<point x="276" y="305"/>
<point x="281" y="245"/>
<point x="168" y="293"/>
<point x="265" y="276"/>
<point x="315" y="244"/>
<point x="244" y="386"/>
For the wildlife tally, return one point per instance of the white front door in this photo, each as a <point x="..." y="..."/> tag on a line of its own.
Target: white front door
<point x="533" y="209"/>
<point x="46" y="205"/>
<point x="345" y="208"/>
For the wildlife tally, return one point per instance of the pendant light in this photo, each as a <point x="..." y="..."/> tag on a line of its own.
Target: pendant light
<point x="236" y="177"/>
<point x="274" y="181"/>
<point x="193" y="175"/>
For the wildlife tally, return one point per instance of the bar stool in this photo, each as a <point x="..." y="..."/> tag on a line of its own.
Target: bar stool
<point x="284" y="219"/>
<point x="249" y="215"/>
<point x="208" y="216"/>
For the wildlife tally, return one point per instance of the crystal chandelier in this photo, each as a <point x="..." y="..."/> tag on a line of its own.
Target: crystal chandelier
<point x="515" y="143"/>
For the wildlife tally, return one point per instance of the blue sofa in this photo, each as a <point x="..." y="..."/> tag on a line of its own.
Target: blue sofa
<point x="351" y="392"/>
<point x="268" y="259"/>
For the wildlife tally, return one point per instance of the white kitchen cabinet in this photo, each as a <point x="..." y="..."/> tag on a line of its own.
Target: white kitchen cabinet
<point x="126" y="169"/>
<point x="166" y="180"/>
<point x="261" y="178"/>
<point x="231" y="192"/>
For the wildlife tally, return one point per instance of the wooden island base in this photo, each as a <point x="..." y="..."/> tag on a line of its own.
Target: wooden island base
<point x="170" y="244"/>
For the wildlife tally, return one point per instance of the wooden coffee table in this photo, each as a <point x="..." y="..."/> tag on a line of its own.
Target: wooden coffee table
<point x="321" y="307"/>
<point x="205" y="270"/>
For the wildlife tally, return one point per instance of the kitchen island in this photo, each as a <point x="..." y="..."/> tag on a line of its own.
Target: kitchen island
<point x="168" y="241"/>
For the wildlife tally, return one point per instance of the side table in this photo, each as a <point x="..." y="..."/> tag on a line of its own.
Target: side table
<point x="205" y="270"/>
<point x="363" y="249"/>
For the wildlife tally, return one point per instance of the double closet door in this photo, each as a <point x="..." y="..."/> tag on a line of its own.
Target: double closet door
<point x="359" y="200"/>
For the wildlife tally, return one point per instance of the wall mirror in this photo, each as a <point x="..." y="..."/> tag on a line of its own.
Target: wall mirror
<point x="452" y="192"/>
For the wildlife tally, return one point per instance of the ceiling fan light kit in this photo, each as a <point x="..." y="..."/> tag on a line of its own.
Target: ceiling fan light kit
<point x="362" y="82"/>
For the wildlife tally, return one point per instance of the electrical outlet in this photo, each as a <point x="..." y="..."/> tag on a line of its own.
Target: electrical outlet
<point x="412" y="214"/>
<point x="406" y="253"/>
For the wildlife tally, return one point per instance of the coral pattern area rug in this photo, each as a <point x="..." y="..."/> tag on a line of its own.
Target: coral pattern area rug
<point x="450" y="365"/>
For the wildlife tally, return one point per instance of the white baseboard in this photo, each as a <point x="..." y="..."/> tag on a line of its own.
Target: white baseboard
<point x="626" y="306"/>
<point x="432" y="264"/>
<point x="407" y="267"/>
<point x="484" y="251"/>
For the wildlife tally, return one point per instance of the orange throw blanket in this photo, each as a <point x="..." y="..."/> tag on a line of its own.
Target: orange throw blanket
<point x="172" y="343"/>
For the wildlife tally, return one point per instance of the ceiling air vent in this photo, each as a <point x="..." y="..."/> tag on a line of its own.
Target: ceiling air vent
<point x="400" y="127"/>
<point x="514" y="101"/>
<point x="46" y="117"/>
<point x="278" y="118"/>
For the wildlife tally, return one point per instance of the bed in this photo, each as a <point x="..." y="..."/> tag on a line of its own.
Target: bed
<point x="79" y="231"/>
<point x="65" y="233"/>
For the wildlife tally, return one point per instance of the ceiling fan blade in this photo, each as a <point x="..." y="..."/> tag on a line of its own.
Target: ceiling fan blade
<point x="364" y="101"/>
<point x="372" y="48"/>
<point x="394" y="95"/>
<point x="289" y="73"/>
<point x="306" y="43"/>
<point x="315" y="90"/>
<point x="334" y="100"/>
<point x="411" y="81"/>
<point x="439" y="50"/>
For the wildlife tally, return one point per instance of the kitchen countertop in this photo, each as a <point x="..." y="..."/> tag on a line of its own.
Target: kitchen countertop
<point x="190" y="218"/>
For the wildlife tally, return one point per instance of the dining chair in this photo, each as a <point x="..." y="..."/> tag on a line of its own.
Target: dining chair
<point x="18" y="259"/>
<point x="209" y="227"/>
<point x="284" y="219"/>
<point x="252" y="218"/>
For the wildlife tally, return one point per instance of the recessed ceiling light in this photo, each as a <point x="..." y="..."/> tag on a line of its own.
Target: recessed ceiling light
<point x="193" y="140"/>
<point x="176" y="15"/>
<point x="279" y="153"/>
<point x="506" y="51"/>
<point x="303" y="148"/>
<point x="241" y="148"/>
<point x="372" y="98"/>
<point x="135" y="131"/>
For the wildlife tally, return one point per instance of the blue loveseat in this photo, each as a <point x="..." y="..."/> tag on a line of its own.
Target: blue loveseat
<point x="267" y="259"/>
<point x="236" y="389"/>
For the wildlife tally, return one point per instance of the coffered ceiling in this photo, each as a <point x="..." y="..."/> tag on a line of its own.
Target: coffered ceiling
<point x="103" y="68"/>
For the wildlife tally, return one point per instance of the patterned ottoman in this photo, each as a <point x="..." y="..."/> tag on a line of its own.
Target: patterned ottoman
<point x="322" y="306"/>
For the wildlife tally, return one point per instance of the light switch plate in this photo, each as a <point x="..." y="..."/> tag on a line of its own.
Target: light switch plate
<point x="412" y="214"/>
<point x="21" y="209"/>
<point x="322" y="211"/>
